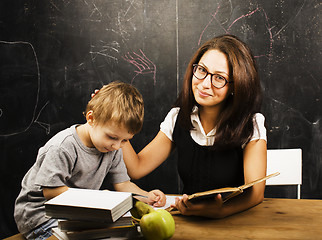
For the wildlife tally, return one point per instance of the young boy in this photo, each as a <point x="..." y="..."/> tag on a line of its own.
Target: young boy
<point x="82" y="156"/>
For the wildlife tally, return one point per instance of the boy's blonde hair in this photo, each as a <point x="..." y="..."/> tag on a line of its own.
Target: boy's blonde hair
<point x="118" y="102"/>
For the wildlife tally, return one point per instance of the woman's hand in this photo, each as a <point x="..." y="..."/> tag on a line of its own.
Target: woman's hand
<point x="156" y="198"/>
<point x="95" y="92"/>
<point x="212" y="209"/>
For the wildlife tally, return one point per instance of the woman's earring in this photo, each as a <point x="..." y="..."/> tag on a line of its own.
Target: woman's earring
<point x="232" y="93"/>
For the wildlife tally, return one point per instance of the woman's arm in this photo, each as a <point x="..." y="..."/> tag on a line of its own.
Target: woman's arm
<point x="151" y="156"/>
<point x="255" y="155"/>
<point x="255" y="163"/>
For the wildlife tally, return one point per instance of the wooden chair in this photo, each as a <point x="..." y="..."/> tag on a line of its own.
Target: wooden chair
<point x="288" y="162"/>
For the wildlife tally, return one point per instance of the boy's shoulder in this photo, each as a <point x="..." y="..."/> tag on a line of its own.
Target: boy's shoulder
<point x="62" y="138"/>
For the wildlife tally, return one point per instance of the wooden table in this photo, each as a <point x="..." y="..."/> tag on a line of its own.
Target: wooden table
<point x="272" y="219"/>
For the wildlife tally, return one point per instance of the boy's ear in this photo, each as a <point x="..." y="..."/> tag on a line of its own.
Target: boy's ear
<point x="90" y="118"/>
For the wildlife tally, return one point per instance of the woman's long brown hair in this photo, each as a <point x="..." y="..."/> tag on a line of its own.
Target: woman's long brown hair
<point x="234" y="125"/>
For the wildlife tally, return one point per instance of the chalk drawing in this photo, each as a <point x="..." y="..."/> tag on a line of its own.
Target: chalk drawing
<point x="227" y="30"/>
<point x="105" y="49"/>
<point x="143" y="64"/>
<point x="16" y="89"/>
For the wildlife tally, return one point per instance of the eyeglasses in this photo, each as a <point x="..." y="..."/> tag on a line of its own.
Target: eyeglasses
<point x="217" y="80"/>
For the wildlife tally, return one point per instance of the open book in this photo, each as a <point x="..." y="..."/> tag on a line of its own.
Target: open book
<point x="89" y="205"/>
<point x="227" y="192"/>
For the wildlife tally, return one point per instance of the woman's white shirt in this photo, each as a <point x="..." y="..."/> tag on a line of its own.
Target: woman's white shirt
<point x="198" y="134"/>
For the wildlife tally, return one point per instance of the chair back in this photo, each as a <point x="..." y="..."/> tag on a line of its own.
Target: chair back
<point x="288" y="162"/>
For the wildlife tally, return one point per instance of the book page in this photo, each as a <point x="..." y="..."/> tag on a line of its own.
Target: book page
<point x="171" y="199"/>
<point x="258" y="181"/>
<point x="85" y="198"/>
<point x="234" y="190"/>
<point x="213" y="192"/>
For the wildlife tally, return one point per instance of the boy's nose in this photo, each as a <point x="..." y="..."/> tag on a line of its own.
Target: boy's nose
<point x="116" y="145"/>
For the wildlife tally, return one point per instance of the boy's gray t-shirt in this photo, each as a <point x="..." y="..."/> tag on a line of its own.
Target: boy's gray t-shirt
<point x="64" y="161"/>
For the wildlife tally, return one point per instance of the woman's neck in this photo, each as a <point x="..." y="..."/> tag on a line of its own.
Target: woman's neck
<point x="208" y="118"/>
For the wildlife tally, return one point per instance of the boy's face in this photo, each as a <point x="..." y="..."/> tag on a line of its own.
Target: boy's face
<point x="109" y="136"/>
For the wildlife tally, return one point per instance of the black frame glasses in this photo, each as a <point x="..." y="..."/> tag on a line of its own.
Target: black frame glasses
<point x="214" y="81"/>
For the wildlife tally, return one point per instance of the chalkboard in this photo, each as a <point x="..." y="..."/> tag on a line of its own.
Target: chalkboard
<point x="54" y="53"/>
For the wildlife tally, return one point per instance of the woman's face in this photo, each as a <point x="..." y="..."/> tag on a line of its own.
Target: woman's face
<point x="206" y="95"/>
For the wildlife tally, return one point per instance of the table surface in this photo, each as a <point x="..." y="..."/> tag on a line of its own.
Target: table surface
<point x="272" y="219"/>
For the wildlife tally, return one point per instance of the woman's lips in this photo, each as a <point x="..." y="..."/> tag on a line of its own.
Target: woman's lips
<point x="203" y="94"/>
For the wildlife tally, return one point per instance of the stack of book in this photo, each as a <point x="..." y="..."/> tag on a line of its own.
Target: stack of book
<point x="91" y="214"/>
<point x="124" y="228"/>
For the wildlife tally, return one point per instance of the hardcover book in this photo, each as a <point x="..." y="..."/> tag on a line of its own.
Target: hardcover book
<point x="228" y="192"/>
<point x="89" y="205"/>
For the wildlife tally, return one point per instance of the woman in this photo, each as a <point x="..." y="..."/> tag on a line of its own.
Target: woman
<point x="217" y="130"/>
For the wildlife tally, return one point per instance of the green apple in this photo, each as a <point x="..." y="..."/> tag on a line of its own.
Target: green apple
<point x="140" y="208"/>
<point x="157" y="225"/>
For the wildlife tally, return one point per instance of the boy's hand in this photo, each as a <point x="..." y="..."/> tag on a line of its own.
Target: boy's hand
<point x="156" y="198"/>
